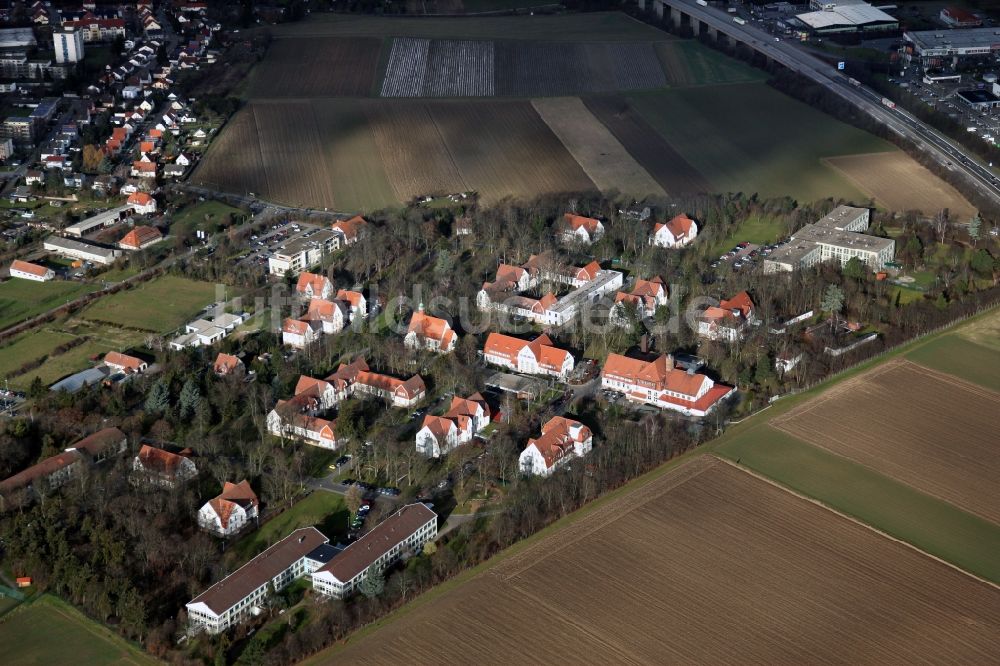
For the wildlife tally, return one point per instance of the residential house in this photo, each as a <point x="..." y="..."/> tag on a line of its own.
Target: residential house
<point x="230" y="511"/>
<point x="348" y="232"/>
<point x="678" y="232"/>
<point x="227" y="364"/>
<point x="465" y="419"/>
<point x="41" y="478"/>
<point x="397" y="392"/>
<point x="144" y="168"/>
<point x="102" y="445"/>
<point x="139" y="238"/>
<point x="286" y="420"/>
<point x="357" y="301"/>
<point x="561" y="440"/>
<point x="405" y="531"/>
<point x="142" y="203"/>
<point x="297" y="333"/>
<point x="29" y="271"/>
<point x="311" y="285"/>
<point x="431" y="333"/>
<point x="661" y="384"/>
<point x="645" y="297"/>
<point x="729" y="320"/>
<point x="163" y="468"/>
<point x="536" y="357"/>
<point x="242" y="592"/>
<point x="32" y="177"/>
<point x="204" y="332"/>
<point x="580" y="229"/>
<point x="124" y="363"/>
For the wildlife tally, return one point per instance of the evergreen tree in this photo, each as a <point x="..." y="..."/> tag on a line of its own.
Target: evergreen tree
<point x="189" y="399"/>
<point x="975" y="228"/>
<point x="372" y="584"/>
<point x="158" y="400"/>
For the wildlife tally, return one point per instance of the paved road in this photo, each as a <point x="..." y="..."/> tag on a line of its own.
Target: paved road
<point x="899" y="121"/>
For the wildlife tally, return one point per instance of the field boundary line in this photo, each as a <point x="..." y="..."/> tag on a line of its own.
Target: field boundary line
<point x="852" y="519"/>
<point x="556" y="543"/>
<point x="954" y="380"/>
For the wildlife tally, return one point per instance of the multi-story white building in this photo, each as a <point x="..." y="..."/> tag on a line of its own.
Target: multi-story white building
<point x="242" y="592"/>
<point x="729" y="320"/>
<point x="231" y="511"/>
<point x="430" y="333"/>
<point x="68" y="44"/>
<point x="561" y="440"/>
<point x="838" y="236"/>
<point x="302" y="253"/>
<point x="646" y="296"/>
<point x="535" y="357"/>
<point x="405" y="531"/>
<point x="465" y="419"/>
<point x="677" y="232"/>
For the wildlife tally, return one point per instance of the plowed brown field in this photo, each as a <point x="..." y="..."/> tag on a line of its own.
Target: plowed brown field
<point x="898" y="182"/>
<point x="704" y="564"/>
<point x="316" y="67"/>
<point x="930" y="430"/>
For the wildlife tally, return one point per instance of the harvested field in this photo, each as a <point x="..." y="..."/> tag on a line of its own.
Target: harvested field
<point x="410" y="145"/>
<point x="316" y="67"/>
<point x="705" y="564"/>
<point x="233" y="162"/>
<point x="890" y="419"/>
<point x="898" y="182"/>
<point x="666" y="166"/>
<point x="503" y="148"/>
<point x="602" y="157"/>
<point x="289" y="146"/>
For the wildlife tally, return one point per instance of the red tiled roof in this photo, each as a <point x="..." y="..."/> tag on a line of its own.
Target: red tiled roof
<point x="741" y="302"/>
<point x="39" y="470"/>
<point x="352" y="297"/>
<point x="311" y="280"/>
<point x="226" y="363"/>
<point x="439" y="426"/>
<point x="28" y="267"/>
<point x="95" y="444"/>
<point x="140" y="236"/>
<point x="160" y="461"/>
<point x="124" y="361"/>
<point x="350" y="228"/>
<point x="557" y="438"/>
<point x="678" y="226"/>
<point x="295" y="326"/>
<point x="139" y="199"/>
<point x="431" y="328"/>
<point x="577" y="221"/>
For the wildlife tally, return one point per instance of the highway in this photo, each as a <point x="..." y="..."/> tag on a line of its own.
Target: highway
<point x="945" y="151"/>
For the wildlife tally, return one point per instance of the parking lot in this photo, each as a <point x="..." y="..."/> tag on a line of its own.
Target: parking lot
<point x="263" y="246"/>
<point x="744" y="255"/>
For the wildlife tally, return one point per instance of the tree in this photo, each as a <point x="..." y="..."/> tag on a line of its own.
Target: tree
<point x="855" y="269"/>
<point x="353" y="499"/>
<point x="92" y="158"/>
<point x="982" y="262"/>
<point x="975" y="228"/>
<point x="189" y="399"/>
<point x="372" y="584"/>
<point x="158" y="400"/>
<point x="833" y="300"/>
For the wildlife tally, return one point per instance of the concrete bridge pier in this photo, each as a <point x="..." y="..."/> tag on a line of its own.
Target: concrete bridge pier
<point x="642" y="5"/>
<point x="676" y="18"/>
<point x="713" y="33"/>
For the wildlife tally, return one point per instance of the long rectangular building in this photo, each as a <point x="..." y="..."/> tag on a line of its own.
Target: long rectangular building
<point x="78" y="249"/>
<point x="836" y="236"/>
<point x="234" y="597"/>
<point x="407" y="529"/>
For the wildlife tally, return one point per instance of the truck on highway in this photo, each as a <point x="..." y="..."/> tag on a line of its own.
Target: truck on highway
<point x="888" y="102"/>
<point x="703" y="3"/>
<point x="854" y="82"/>
<point x="737" y="19"/>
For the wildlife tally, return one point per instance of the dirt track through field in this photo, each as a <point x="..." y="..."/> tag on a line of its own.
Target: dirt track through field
<point x="704" y="564"/>
<point x="927" y="429"/>
<point x="602" y="157"/>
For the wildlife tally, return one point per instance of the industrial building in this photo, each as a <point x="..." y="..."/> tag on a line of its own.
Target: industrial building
<point x="836" y="236"/>
<point x="948" y="48"/>
<point x="846" y="17"/>
<point x="979" y="100"/>
<point x="77" y="249"/>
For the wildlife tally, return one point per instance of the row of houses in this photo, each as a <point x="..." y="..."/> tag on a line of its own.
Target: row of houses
<point x="328" y="311"/>
<point x="677" y="232"/>
<point x="334" y="572"/>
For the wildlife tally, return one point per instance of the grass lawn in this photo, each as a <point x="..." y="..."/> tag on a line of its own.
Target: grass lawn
<point x="326" y="511"/>
<point x="28" y="347"/>
<point x="956" y="355"/>
<point x="23" y="299"/>
<point x="204" y="215"/>
<point x="49" y="631"/>
<point x="933" y="525"/>
<point x="687" y="62"/>
<point x="906" y="295"/>
<point x="751" y="138"/>
<point x="118" y="274"/>
<point x="160" y="305"/>
<point x="757" y="229"/>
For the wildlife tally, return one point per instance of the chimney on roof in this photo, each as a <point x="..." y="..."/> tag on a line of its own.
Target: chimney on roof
<point x="301" y="539"/>
<point x="644" y="343"/>
<point x="690" y="369"/>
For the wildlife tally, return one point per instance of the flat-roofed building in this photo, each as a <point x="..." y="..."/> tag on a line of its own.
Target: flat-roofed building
<point x="947" y="48"/>
<point x="835" y="236"/>
<point x="860" y="17"/>
<point x="408" y="529"/>
<point x="100" y="221"/>
<point x="240" y="593"/>
<point x="303" y="252"/>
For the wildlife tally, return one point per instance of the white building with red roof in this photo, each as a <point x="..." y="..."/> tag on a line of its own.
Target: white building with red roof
<point x="350" y="231"/>
<point x="535" y="357"/>
<point x="465" y="419"/>
<point x="677" y="232"/>
<point x="297" y="333"/>
<point x="431" y="333"/>
<point x="357" y="301"/>
<point x="580" y="229"/>
<point x="141" y="203"/>
<point x="230" y="511"/>
<point x="661" y="384"/>
<point x="561" y="440"/>
<point x="26" y="270"/>
<point x="294" y="419"/>
<point x="729" y="320"/>
<point x="140" y="238"/>
<point x="124" y="363"/>
<point x="646" y="296"/>
<point x="227" y="364"/>
<point x="311" y="285"/>
<point x="163" y="468"/>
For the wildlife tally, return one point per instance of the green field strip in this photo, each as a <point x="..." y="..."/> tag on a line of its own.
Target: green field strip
<point x="932" y="525"/>
<point x="955" y="355"/>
